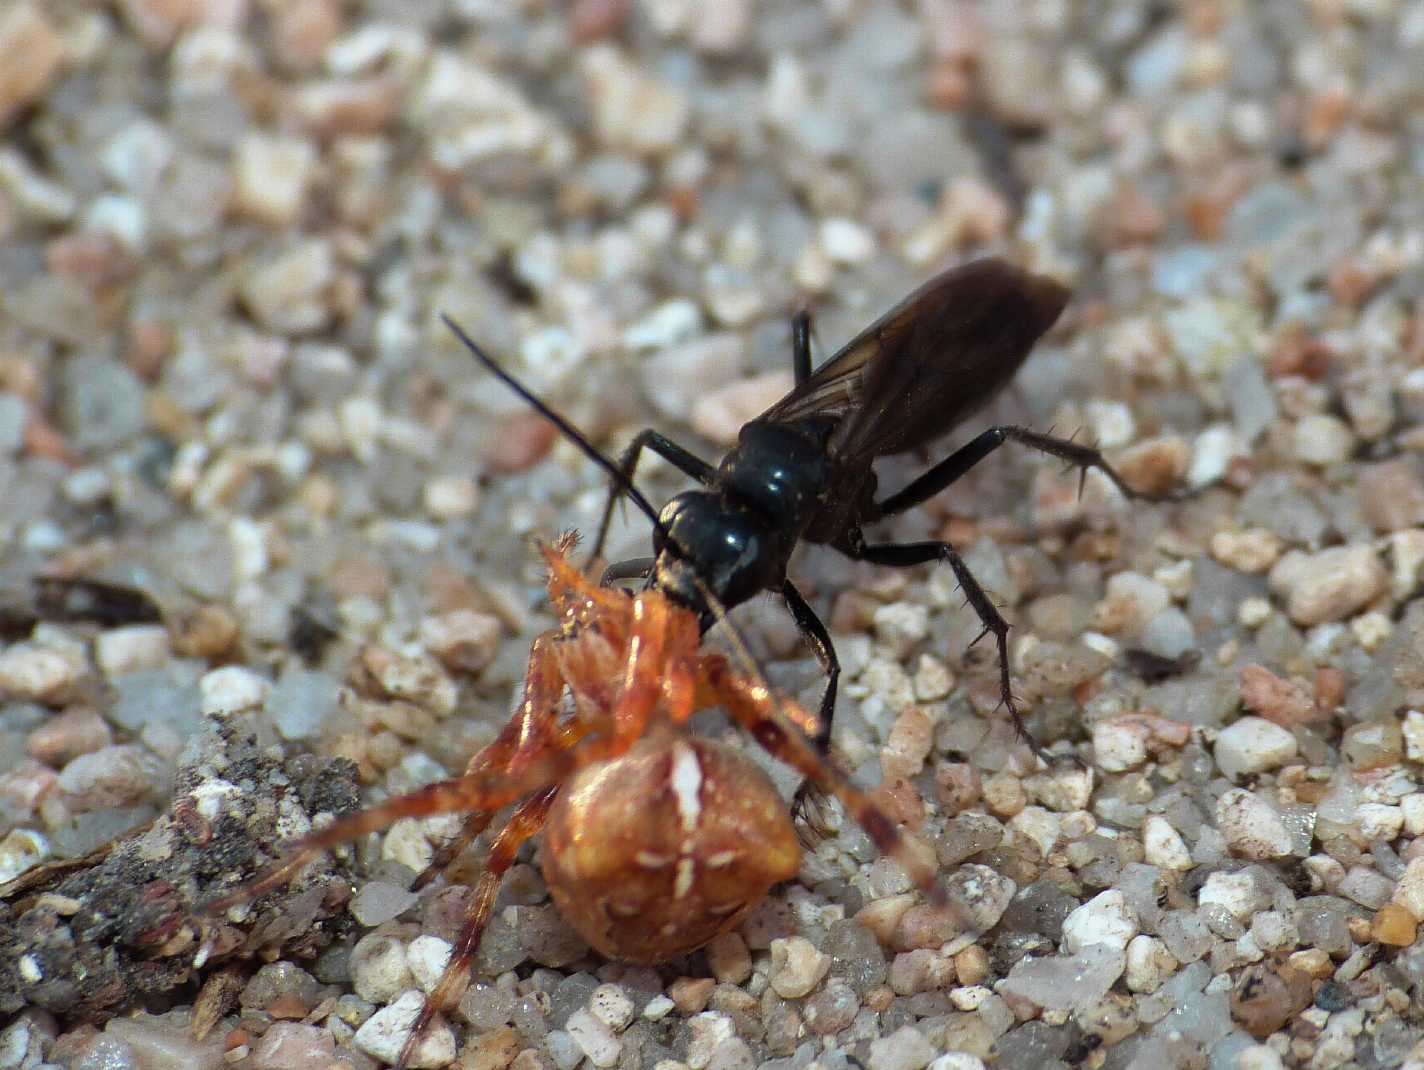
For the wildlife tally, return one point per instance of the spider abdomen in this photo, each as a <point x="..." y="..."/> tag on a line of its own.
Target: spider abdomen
<point x="651" y="855"/>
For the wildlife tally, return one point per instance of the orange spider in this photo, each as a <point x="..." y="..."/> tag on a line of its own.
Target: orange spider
<point x="655" y="840"/>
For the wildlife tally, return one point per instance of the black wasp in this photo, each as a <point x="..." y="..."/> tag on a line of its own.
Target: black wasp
<point x="803" y="469"/>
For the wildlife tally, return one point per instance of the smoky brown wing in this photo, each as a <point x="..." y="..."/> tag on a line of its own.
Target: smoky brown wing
<point x="943" y="354"/>
<point x="838" y="385"/>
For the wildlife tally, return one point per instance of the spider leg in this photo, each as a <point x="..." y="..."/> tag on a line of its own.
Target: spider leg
<point x="752" y="705"/>
<point x="491" y="790"/>
<point x="657" y="673"/>
<point x="524" y="824"/>
<point x="446" y="855"/>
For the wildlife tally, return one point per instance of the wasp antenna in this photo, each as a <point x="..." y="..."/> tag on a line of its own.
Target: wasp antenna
<point x="568" y="430"/>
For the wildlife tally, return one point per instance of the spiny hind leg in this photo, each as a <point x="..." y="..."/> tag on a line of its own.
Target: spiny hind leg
<point x="524" y="824"/>
<point x="903" y="555"/>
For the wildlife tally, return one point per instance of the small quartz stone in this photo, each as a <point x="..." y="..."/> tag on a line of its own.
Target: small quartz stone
<point x="379" y="972"/>
<point x="35" y="52"/>
<point x="729" y="959"/>
<point x="463" y="640"/>
<point x="426" y="958"/>
<point x="1149" y="964"/>
<point x="1252" y="745"/>
<point x="1105" y="919"/>
<point x="271" y="177"/>
<point x="129" y="649"/>
<point x="594" y="1036"/>
<point x="1162" y="845"/>
<point x="1330" y="584"/>
<point x="1233" y="892"/>
<point x="36" y="674"/>
<point x="905" y="1049"/>
<point x="1409" y="891"/>
<point x="20" y="850"/>
<point x="1251" y="827"/>
<point x="611" y="1005"/>
<point x="292" y="1046"/>
<point x="385" y="1033"/>
<point x="231" y="690"/>
<point x="378" y="902"/>
<point x="1394" y="926"/>
<point x="797" y="966"/>
<point x="1120" y="743"/>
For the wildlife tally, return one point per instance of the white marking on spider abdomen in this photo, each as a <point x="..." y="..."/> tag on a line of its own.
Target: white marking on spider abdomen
<point x="686" y="781"/>
<point x="686" y="874"/>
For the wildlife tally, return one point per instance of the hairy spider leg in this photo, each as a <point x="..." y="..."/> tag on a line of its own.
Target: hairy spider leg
<point x="523" y="825"/>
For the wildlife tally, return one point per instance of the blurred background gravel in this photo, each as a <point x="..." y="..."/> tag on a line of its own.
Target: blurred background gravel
<point x="226" y="230"/>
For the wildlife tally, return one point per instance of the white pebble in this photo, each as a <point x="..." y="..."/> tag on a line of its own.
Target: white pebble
<point x="900" y="625"/>
<point x="595" y="1038"/>
<point x="1233" y="892"/>
<point x="1409" y="892"/>
<point x="1274" y="931"/>
<point x="658" y="1008"/>
<point x="678" y="375"/>
<point x="669" y="323"/>
<point x="383" y="1035"/>
<point x="426" y="957"/>
<point x="631" y="109"/>
<point x="846" y="241"/>
<point x="463" y="640"/>
<point x="1212" y="453"/>
<point x="1120" y="743"/>
<point x="1169" y="634"/>
<point x="708" y="1030"/>
<point x="1162" y="845"/>
<point x="377" y="902"/>
<point x="1111" y="422"/>
<point x="131" y="648"/>
<point x="1323" y="440"/>
<point x="270" y="177"/>
<point x="1259" y="1057"/>
<point x="407" y="844"/>
<point x="1252" y="745"/>
<point x="905" y="1049"/>
<point x="1379" y="822"/>
<point x="449" y="497"/>
<point x="1328" y="585"/>
<point x="957" y="1060"/>
<point x="361" y="420"/>
<point x="1251" y="827"/>
<point x="1411" y="809"/>
<point x="36" y="674"/>
<point x="378" y="968"/>
<point x="22" y="849"/>
<point x="611" y="1006"/>
<point x="1105" y="919"/>
<point x="248" y="539"/>
<point x="232" y="689"/>
<point x="1132" y="600"/>
<point x="1149" y="964"/>
<point x="120" y="217"/>
<point x="1042" y="827"/>
<point x="797" y="966"/>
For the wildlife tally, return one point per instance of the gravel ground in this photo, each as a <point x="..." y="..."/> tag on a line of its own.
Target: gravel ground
<point x="227" y="229"/>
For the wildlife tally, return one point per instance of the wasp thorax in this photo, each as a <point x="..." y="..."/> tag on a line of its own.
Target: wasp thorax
<point x="655" y="853"/>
